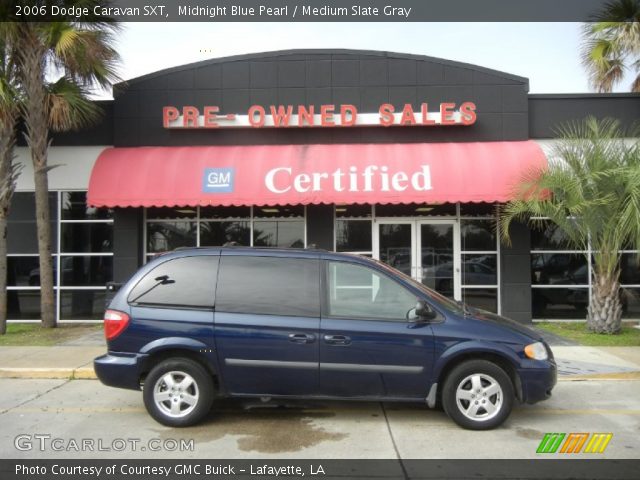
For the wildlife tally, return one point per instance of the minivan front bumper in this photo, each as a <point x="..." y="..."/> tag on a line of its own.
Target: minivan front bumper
<point x="537" y="383"/>
<point x="122" y="370"/>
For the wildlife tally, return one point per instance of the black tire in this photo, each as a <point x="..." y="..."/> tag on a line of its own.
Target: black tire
<point x="175" y="410"/>
<point x="484" y="419"/>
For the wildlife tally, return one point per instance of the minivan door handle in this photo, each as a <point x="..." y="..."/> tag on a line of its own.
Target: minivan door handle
<point x="337" y="339"/>
<point x="301" y="338"/>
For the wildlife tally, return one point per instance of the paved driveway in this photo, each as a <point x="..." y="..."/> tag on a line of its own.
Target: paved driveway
<point x="78" y="410"/>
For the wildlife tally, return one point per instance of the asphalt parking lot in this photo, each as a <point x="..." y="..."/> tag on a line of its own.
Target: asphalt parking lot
<point x="64" y="415"/>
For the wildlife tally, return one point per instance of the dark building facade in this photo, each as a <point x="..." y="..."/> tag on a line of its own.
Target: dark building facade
<point x="444" y="237"/>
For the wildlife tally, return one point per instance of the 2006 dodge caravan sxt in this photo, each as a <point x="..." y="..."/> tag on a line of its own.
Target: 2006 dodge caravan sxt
<point x="246" y="322"/>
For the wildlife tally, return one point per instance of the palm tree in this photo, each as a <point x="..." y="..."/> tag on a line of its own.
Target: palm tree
<point x="81" y="56"/>
<point x="8" y="170"/>
<point x="612" y="45"/>
<point x="591" y="191"/>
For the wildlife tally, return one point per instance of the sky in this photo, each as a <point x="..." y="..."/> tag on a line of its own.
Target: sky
<point x="546" y="53"/>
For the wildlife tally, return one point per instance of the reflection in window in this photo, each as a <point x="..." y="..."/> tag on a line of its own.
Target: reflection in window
<point x="74" y="207"/>
<point x="24" y="304"/>
<point x="483" y="298"/>
<point x="268" y="286"/>
<point x="560" y="302"/>
<point x="87" y="237"/>
<point x="559" y="269"/>
<point x="630" y="298"/>
<point x="548" y="236"/>
<point x="80" y="271"/>
<point x="82" y="304"/>
<point x="215" y="234"/>
<point x="478" y="235"/>
<point x="360" y="292"/>
<point x="479" y="269"/>
<point x="353" y="235"/>
<point x="187" y="282"/>
<point x="273" y="233"/>
<point x="165" y="236"/>
<point x="629" y="269"/>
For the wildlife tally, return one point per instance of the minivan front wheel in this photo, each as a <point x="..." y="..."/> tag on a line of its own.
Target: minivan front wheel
<point x="478" y="395"/>
<point x="178" y="392"/>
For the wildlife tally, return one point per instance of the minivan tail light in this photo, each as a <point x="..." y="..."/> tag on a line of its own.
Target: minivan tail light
<point x="114" y="323"/>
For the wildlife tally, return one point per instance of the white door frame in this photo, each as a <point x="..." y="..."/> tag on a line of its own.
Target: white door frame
<point x="457" y="260"/>
<point x="416" y="239"/>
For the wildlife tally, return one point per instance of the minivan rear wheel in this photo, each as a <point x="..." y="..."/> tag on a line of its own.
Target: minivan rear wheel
<point x="178" y="392"/>
<point x="478" y="395"/>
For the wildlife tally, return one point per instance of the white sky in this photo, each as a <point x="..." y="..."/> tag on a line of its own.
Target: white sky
<point x="546" y="53"/>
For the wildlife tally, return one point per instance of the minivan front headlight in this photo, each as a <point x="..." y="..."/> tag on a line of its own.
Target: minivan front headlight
<point x="536" y="351"/>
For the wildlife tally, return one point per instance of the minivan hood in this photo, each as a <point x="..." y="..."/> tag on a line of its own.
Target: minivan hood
<point x="484" y="315"/>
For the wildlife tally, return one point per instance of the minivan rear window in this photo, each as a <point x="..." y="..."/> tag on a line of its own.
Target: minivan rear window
<point x="269" y="286"/>
<point x="182" y="282"/>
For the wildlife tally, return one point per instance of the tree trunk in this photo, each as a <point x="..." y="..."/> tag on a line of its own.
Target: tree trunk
<point x="3" y="275"/>
<point x="35" y="113"/>
<point x="8" y="174"/>
<point x="605" y="309"/>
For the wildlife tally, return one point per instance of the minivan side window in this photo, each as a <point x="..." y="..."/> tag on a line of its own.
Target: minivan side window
<point x="356" y="291"/>
<point x="180" y="282"/>
<point x="269" y="286"/>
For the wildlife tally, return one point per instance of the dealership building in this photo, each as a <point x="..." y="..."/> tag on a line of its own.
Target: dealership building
<point x="398" y="157"/>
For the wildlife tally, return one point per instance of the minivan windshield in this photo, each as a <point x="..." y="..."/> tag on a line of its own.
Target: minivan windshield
<point x="434" y="296"/>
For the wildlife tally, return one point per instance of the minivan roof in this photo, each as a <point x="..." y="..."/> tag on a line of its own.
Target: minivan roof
<point x="271" y="251"/>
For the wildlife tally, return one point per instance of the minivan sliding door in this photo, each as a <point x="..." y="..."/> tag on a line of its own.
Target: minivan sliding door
<point x="267" y="323"/>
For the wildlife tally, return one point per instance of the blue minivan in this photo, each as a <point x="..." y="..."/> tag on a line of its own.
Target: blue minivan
<point x="200" y="323"/>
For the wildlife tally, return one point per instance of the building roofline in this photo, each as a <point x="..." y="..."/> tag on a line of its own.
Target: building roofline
<point x="583" y="95"/>
<point x="324" y="51"/>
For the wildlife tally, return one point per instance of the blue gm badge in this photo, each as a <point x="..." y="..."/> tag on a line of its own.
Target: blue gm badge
<point x="218" y="180"/>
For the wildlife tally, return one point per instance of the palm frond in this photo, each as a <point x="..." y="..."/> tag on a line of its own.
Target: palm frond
<point x="591" y="190"/>
<point x="69" y="106"/>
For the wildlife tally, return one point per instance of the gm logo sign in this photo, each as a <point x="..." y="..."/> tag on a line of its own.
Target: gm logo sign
<point x="218" y="180"/>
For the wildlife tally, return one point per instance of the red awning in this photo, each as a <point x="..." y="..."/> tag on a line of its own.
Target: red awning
<point x="311" y="174"/>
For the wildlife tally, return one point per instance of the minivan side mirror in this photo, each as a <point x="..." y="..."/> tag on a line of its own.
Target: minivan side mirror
<point x="424" y="311"/>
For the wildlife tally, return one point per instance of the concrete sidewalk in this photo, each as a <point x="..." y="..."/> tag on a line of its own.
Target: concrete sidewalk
<point x="76" y="361"/>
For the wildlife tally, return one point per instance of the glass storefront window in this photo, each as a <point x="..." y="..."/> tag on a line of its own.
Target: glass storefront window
<point x="215" y="234"/>
<point x="273" y="233"/>
<point x="82" y="304"/>
<point x="630" y="269"/>
<point x="560" y="303"/>
<point x="484" y="298"/>
<point x="630" y="298"/>
<point x="165" y="236"/>
<point x="478" y="235"/>
<point x="547" y="236"/>
<point x="353" y="235"/>
<point x="93" y="271"/>
<point x="559" y="269"/>
<point x="86" y="237"/>
<point x="480" y="269"/>
<point x="23" y="304"/>
<point x="23" y="271"/>
<point x="74" y="207"/>
<point x="264" y="226"/>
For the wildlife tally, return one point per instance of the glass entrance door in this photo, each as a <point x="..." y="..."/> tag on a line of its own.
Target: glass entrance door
<point x="427" y="250"/>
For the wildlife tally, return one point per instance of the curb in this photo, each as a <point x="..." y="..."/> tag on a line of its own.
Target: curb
<point x="633" y="375"/>
<point x="83" y="373"/>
